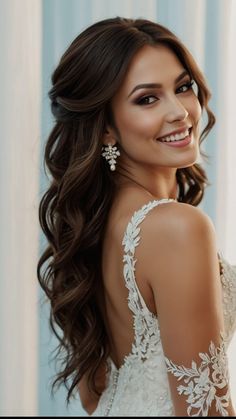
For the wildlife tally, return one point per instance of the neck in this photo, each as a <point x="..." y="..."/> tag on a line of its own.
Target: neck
<point x="168" y="189"/>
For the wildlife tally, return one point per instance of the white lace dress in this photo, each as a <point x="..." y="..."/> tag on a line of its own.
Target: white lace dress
<point x="140" y="386"/>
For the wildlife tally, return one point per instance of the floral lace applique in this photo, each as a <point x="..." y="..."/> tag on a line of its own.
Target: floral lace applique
<point x="146" y="336"/>
<point x="203" y="381"/>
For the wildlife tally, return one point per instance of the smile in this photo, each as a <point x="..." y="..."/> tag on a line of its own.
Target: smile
<point x="176" y="137"/>
<point x="178" y="140"/>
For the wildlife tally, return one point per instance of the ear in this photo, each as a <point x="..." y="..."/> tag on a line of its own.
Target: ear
<point x="109" y="136"/>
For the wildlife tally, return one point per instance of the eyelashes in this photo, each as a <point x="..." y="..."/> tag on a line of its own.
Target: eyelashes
<point x="188" y="85"/>
<point x="146" y="100"/>
<point x="149" y="99"/>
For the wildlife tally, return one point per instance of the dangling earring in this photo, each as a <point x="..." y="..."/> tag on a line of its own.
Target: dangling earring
<point x="111" y="154"/>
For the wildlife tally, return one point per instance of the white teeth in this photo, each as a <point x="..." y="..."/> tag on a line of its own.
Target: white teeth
<point x="176" y="137"/>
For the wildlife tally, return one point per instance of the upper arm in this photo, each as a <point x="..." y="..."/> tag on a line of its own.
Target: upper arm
<point x="183" y="272"/>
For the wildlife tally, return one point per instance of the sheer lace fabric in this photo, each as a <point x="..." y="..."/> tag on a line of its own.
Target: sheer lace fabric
<point x="201" y="381"/>
<point x="140" y="386"/>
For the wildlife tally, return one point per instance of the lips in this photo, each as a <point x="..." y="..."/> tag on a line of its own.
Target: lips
<point x="178" y="143"/>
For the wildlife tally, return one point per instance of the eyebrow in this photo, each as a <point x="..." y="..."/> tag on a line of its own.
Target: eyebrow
<point x="157" y="85"/>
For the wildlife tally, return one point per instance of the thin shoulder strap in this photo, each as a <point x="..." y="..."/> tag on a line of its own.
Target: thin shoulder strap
<point x="130" y="242"/>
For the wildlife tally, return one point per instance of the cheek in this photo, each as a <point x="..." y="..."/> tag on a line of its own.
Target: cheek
<point x="195" y="110"/>
<point x="140" y="122"/>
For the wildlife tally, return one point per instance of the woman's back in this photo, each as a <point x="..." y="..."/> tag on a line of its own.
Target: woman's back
<point x="138" y="382"/>
<point x="119" y="315"/>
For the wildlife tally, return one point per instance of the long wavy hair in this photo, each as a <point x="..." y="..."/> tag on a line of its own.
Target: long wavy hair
<point x="74" y="210"/>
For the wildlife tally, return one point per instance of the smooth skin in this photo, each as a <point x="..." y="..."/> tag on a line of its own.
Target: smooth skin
<point x="186" y="293"/>
<point x="149" y="113"/>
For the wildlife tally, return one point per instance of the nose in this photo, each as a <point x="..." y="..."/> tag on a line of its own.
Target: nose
<point x="175" y="110"/>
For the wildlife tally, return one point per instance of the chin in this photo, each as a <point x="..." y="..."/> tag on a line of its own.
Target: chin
<point x="187" y="162"/>
<point x="185" y="165"/>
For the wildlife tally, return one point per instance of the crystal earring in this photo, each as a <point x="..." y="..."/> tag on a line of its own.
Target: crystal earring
<point x="111" y="153"/>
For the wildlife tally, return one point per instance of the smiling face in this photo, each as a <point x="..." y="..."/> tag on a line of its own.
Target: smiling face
<point x="155" y="99"/>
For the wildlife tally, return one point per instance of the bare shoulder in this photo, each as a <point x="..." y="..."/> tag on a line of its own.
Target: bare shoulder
<point x="173" y="225"/>
<point x="175" y="217"/>
<point x="181" y="243"/>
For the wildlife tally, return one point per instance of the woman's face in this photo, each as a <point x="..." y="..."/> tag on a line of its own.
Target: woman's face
<point x="154" y="100"/>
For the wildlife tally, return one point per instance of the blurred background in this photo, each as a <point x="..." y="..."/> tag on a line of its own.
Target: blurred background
<point x="33" y="35"/>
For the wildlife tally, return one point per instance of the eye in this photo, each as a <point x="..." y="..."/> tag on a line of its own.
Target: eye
<point x="185" y="87"/>
<point x="147" y="100"/>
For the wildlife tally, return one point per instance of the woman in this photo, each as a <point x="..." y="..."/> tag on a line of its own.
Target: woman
<point x="133" y="274"/>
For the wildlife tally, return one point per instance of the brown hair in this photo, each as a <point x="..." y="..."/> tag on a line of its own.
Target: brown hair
<point x="74" y="209"/>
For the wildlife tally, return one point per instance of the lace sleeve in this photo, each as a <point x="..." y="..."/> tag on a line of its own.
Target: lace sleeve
<point x="201" y="383"/>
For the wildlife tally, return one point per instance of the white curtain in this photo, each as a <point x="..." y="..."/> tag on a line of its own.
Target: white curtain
<point x="20" y="79"/>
